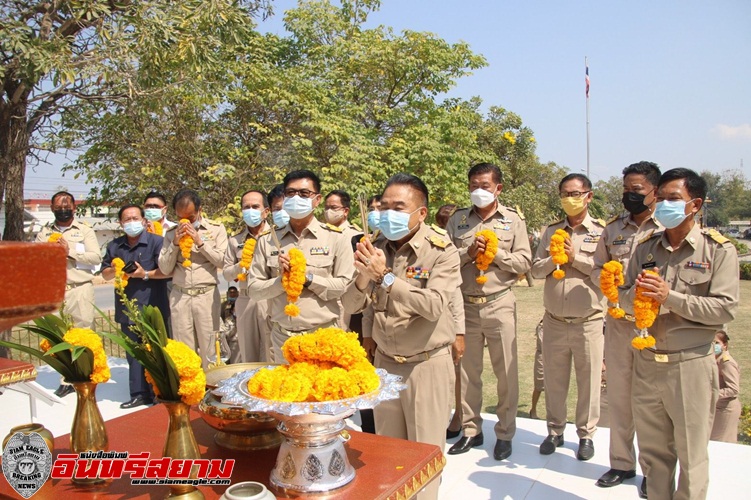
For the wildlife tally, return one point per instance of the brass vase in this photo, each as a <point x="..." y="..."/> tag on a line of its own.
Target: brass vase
<point x="28" y="429"/>
<point x="88" y="432"/>
<point x="181" y="443"/>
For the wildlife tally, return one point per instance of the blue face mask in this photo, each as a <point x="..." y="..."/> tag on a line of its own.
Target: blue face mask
<point x="671" y="213"/>
<point x="717" y="349"/>
<point x="373" y="219"/>
<point x="133" y="228"/>
<point x="153" y="214"/>
<point x="394" y="225"/>
<point x="298" y="207"/>
<point x="281" y="218"/>
<point x="252" y="217"/>
<point x="231" y="300"/>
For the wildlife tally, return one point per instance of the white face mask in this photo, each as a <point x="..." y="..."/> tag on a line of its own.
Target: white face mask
<point x="481" y="198"/>
<point x="298" y="207"/>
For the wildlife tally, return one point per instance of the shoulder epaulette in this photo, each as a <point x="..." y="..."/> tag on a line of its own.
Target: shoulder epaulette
<point x="332" y="227"/>
<point x="600" y="222"/>
<point x="438" y="229"/>
<point x="715" y="235"/>
<point x="725" y="356"/>
<point x="613" y="219"/>
<point x="172" y="228"/>
<point x="518" y="211"/>
<point x="264" y="233"/>
<point x="356" y="227"/>
<point x="83" y="223"/>
<point x="559" y="221"/>
<point x="437" y="241"/>
<point x="647" y="236"/>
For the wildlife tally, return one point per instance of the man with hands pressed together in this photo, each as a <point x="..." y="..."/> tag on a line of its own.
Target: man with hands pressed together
<point x="675" y="383"/>
<point x="407" y="276"/>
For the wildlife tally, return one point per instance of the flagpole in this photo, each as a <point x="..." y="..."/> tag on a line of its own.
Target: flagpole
<point x="586" y="70"/>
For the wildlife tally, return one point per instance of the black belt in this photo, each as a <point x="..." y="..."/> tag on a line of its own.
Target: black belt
<point x="423" y="356"/>
<point x="484" y="299"/>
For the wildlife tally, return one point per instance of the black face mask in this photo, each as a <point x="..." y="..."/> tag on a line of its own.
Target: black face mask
<point x="634" y="202"/>
<point x="63" y="215"/>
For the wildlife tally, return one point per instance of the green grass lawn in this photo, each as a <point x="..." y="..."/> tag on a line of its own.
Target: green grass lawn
<point x="529" y="311"/>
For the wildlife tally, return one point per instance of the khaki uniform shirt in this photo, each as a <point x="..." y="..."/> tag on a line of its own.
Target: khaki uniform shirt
<point x="414" y="315"/>
<point x="349" y="230"/>
<point x="205" y="261"/>
<point x="576" y="295"/>
<point x="512" y="259"/>
<point x="234" y="254"/>
<point x="730" y="380"/>
<point x="618" y="242"/>
<point x="703" y="277"/>
<point x="83" y="250"/>
<point x="328" y="254"/>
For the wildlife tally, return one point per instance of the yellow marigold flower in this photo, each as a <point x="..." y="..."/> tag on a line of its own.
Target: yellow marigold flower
<point x="188" y="364"/>
<point x="616" y="312"/>
<point x="559" y="274"/>
<point x="121" y="280"/>
<point x="293" y="281"/>
<point x="247" y="259"/>
<point x="483" y="260"/>
<point x="186" y="246"/>
<point x="45" y="345"/>
<point x="155" y="228"/>
<point x="54" y="237"/>
<point x="611" y="278"/>
<point x="87" y="338"/>
<point x="482" y="279"/>
<point x="558" y="252"/>
<point x="646" y="309"/>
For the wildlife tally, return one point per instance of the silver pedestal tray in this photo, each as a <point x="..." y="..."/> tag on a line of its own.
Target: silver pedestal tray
<point x="312" y="457"/>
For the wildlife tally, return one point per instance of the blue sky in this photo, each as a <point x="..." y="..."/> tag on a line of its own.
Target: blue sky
<point x="671" y="80"/>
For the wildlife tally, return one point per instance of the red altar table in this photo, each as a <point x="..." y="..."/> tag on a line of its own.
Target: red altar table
<point x="386" y="468"/>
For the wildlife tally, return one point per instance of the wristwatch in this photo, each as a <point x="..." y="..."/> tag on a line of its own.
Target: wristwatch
<point x="388" y="280"/>
<point x="146" y="276"/>
<point x="308" y="279"/>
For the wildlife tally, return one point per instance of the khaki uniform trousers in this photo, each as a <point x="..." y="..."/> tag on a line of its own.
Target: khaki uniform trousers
<point x="673" y="407"/>
<point x="495" y="322"/>
<point x="619" y="360"/>
<point x="79" y="303"/>
<point x="422" y="409"/>
<point x="582" y="342"/>
<point x="538" y="370"/>
<point x="195" y="319"/>
<point x="252" y="329"/>
<point x="725" y="426"/>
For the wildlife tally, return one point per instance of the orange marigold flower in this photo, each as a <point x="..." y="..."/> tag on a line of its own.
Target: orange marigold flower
<point x="186" y="246"/>
<point x="293" y="280"/>
<point x="155" y="227"/>
<point x="246" y="259"/>
<point x="54" y="237"/>
<point x="558" y="252"/>
<point x="611" y="278"/>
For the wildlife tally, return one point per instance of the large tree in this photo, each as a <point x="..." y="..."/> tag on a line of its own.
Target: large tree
<point x="58" y="55"/>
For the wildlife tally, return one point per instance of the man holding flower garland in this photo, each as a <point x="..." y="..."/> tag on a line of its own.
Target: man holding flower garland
<point x="573" y="316"/>
<point x="692" y="275"/>
<point x="489" y="305"/>
<point x="618" y="243"/>
<point x="250" y="312"/>
<point x="326" y="256"/>
<point x="405" y="278"/>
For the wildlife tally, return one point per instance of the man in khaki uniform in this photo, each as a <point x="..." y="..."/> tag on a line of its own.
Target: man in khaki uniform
<point x="407" y="276"/>
<point x="84" y="255"/>
<point x="489" y="308"/>
<point x="250" y="313"/>
<point x="618" y="243"/>
<point x="194" y="299"/>
<point x="573" y="319"/>
<point x="329" y="264"/>
<point x="676" y="382"/>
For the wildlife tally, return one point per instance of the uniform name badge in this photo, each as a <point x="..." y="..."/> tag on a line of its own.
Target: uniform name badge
<point x="661" y="358"/>
<point x="503" y="225"/>
<point x="319" y="251"/>
<point x="418" y="273"/>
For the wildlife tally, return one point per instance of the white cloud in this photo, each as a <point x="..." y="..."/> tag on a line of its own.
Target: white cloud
<point x="731" y="132"/>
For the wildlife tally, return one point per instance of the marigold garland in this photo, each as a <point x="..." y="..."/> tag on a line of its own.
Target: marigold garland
<point x="246" y="259"/>
<point x="121" y="279"/>
<point x="186" y="246"/>
<point x="54" y="237"/>
<point x="558" y="252"/>
<point x="483" y="260"/>
<point x="293" y="281"/>
<point x="611" y="278"/>
<point x="155" y="227"/>
<point x="87" y="338"/>
<point x="192" y="377"/>
<point x="325" y="365"/>
<point x="646" y="310"/>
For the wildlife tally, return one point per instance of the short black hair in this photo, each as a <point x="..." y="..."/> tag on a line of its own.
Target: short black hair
<point x="444" y="213"/>
<point x="275" y="193"/>
<point x="62" y="193"/>
<point x="263" y="196"/>
<point x="581" y="177"/>
<point x="376" y="198"/>
<point x="343" y="196"/>
<point x="695" y="183"/>
<point x="156" y="194"/>
<point x="484" y="168"/>
<point x="303" y="174"/>
<point x="126" y="207"/>
<point x="646" y="168"/>
<point x="184" y="196"/>
<point x="413" y="181"/>
<point x="231" y="288"/>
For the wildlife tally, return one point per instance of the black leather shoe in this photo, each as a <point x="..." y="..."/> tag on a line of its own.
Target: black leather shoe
<point x="502" y="449"/>
<point x="614" y="477"/>
<point x="550" y="444"/>
<point x="586" y="449"/>
<point x="465" y="443"/>
<point x="63" y="390"/>
<point x="452" y="434"/>
<point x="134" y="402"/>
<point x="643" y="488"/>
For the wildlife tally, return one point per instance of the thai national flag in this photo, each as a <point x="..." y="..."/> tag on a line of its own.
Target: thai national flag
<point x="586" y="80"/>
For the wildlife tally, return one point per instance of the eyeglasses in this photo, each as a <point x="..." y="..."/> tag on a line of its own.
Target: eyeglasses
<point x="573" y="194"/>
<point x="302" y="193"/>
